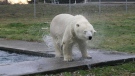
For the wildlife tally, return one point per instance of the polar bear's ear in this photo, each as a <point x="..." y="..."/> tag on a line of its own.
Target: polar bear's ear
<point x="77" y="25"/>
<point x="94" y="31"/>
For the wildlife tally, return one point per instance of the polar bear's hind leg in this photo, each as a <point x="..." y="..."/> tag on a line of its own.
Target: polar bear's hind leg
<point x="58" y="51"/>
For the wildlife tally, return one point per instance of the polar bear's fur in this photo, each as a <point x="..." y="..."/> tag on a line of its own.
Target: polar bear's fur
<point x="66" y="30"/>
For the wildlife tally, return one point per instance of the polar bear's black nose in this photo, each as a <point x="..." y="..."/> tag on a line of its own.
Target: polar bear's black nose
<point x="90" y="37"/>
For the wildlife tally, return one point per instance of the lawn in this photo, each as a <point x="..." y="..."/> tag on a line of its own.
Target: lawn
<point x="115" y="31"/>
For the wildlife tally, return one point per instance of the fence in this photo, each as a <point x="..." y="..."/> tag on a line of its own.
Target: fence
<point x="95" y="7"/>
<point x="50" y="10"/>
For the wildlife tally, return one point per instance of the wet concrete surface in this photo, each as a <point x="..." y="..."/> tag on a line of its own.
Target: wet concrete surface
<point x="17" y="46"/>
<point x="55" y="65"/>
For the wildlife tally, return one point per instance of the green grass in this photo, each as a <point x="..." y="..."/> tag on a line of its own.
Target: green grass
<point x="115" y="31"/>
<point x="20" y="31"/>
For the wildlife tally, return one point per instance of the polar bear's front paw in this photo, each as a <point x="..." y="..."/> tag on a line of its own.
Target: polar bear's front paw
<point x="68" y="59"/>
<point x="87" y="57"/>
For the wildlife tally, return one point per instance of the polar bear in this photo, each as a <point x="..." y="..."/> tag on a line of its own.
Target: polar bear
<point x="67" y="30"/>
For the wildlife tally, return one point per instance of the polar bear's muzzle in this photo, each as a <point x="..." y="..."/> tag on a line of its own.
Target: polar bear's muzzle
<point x="90" y="37"/>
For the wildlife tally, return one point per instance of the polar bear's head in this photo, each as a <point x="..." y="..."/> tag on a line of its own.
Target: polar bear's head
<point x="84" y="30"/>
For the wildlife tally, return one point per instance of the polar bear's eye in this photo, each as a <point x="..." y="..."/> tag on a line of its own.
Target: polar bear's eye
<point x="77" y="25"/>
<point x="91" y="31"/>
<point x="84" y="32"/>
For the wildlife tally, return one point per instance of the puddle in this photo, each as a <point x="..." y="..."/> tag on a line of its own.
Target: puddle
<point x="8" y="58"/>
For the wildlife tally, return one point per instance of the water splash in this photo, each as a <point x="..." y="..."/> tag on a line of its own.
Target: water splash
<point x="48" y="41"/>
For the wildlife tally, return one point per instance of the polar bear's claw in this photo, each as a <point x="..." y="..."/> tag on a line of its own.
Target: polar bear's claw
<point x="68" y="60"/>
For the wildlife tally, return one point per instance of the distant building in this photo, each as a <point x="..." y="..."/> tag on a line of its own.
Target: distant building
<point x="18" y="1"/>
<point x="14" y="1"/>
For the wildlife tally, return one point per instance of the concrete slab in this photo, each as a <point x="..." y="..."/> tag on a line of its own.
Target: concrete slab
<point x="52" y="65"/>
<point x="34" y="48"/>
<point x="24" y="45"/>
<point x="55" y="65"/>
